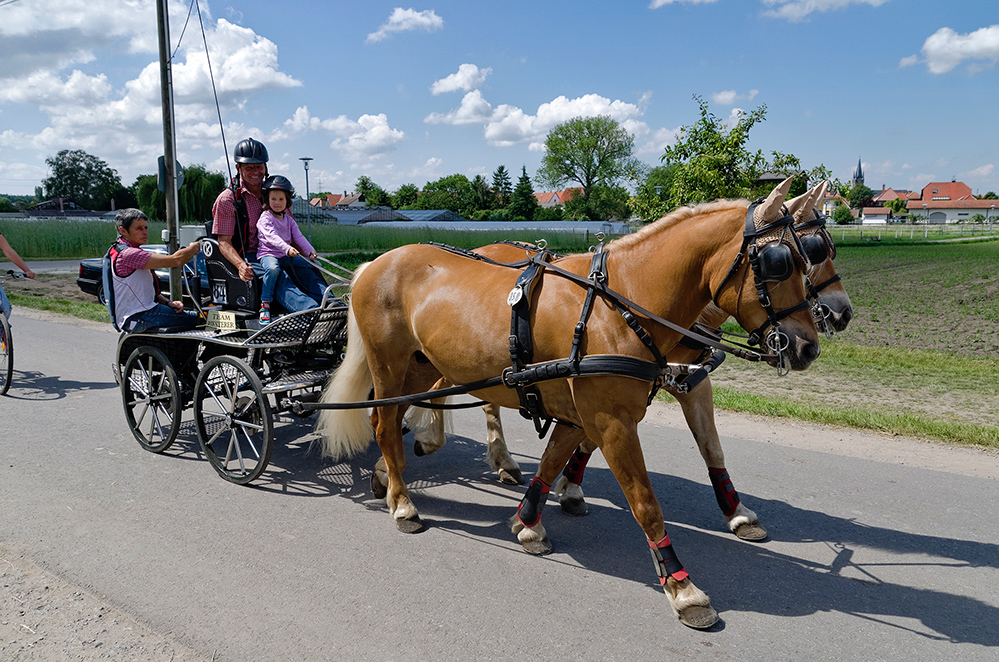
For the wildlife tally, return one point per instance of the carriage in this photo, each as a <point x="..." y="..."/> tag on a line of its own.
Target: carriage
<point x="234" y="374"/>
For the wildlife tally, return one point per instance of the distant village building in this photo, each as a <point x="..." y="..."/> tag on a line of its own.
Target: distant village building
<point x="555" y="198"/>
<point x="950" y="202"/>
<point x="858" y="175"/>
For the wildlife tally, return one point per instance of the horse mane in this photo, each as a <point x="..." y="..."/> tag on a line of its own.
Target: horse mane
<point x="676" y="216"/>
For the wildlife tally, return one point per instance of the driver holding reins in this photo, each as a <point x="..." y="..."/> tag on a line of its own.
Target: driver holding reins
<point x="235" y="214"/>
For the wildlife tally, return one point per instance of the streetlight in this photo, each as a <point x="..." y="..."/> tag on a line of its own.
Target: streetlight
<point x="308" y="199"/>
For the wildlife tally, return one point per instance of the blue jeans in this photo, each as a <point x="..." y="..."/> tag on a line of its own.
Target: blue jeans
<point x="162" y="316"/>
<point x="285" y="291"/>
<point x="4" y="304"/>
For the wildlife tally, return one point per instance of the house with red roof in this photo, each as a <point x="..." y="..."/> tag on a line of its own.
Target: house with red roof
<point x="553" y="198"/>
<point x="950" y="202"/>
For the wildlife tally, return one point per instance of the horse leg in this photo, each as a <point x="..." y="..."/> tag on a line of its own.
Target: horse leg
<point x="698" y="410"/>
<point x="621" y="448"/>
<point x="388" y="434"/>
<point x="497" y="454"/>
<point x="569" y="485"/>
<point x="527" y="522"/>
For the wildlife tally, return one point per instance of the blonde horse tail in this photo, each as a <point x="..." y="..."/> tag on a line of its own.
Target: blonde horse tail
<point x="346" y="432"/>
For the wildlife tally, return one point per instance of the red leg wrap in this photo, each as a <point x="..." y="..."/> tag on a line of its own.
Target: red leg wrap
<point x="529" y="511"/>
<point x="728" y="498"/>
<point x="574" y="468"/>
<point x="667" y="563"/>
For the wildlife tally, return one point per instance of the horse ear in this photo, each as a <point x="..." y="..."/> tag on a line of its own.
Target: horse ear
<point x="801" y="207"/>
<point x="770" y="209"/>
<point x="820" y="194"/>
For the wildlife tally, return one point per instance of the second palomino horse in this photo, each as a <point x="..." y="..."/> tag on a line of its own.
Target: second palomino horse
<point x="419" y="313"/>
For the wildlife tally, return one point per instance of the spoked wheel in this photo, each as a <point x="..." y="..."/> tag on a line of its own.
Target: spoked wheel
<point x="233" y="419"/>
<point x="6" y="355"/>
<point x="150" y="394"/>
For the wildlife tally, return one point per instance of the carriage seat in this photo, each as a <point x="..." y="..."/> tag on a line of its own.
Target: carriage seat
<point x="225" y="287"/>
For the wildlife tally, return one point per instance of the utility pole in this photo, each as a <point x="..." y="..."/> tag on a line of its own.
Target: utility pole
<point x="169" y="151"/>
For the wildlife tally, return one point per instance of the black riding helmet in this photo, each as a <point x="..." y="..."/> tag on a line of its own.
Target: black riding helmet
<point x="280" y="183"/>
<point x="250" y="151"/>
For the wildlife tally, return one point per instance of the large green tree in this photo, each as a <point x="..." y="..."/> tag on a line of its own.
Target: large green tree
<point x="452" y="192"/>
<point x="860" y="197"/>
<point x="502" y="186"/>
<point x="712" y="161"/>
<point x="405" y="196"/>
<point x="85" y="179"/>
<point x="482" y="196"/>
<point x="651" y="201"/>
<point x="588" y="151"/>
<point x="523" y="204"/>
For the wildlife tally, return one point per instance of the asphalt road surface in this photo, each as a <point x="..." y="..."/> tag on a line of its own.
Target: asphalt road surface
<point x="879" y="549"/>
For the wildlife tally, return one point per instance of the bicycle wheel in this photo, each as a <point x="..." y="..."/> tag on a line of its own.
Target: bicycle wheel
<point x="6" y="355"/>
<point x="233" y="418"/>
<point x="150" y="395"/>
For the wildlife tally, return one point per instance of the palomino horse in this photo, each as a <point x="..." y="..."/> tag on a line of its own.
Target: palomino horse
<point x="830" y="303"/>
<point x="419" y="313"/>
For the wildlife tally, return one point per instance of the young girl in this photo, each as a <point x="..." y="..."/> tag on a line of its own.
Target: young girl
<point x="12" y="255"/>
<point x="138" y="304"/>
<point x="279" y="241"/>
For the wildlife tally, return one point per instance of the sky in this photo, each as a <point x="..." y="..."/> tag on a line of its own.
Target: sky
<point x="409" y="93"/>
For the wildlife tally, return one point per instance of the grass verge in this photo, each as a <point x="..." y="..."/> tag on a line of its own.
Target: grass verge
<point x="88" y="311"/>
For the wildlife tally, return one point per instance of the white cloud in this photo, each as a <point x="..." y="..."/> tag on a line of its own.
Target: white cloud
<point x="729" y="97"/>
<point x="908" y="61"/>
<point x="468" y="77"/>
<point x="404" y="20"/>
<point x="367" y="137"/>
<point x="980" y="172"/>
<point x="506" y="125"/>
<point x="656" y="4"/>
<point x="796" y="10"/>
<point x="945" y="49"/>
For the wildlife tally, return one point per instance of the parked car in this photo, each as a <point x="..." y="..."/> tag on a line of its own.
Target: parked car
<point x="91" y="282"/>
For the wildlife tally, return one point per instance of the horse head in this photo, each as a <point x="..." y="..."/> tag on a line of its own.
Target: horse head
<point x="764" y="289"/>
<point x="831" y="305"/>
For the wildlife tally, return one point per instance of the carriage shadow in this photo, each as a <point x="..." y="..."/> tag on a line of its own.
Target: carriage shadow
<point x="33" y="385"/>
<point x="458" y="494"/>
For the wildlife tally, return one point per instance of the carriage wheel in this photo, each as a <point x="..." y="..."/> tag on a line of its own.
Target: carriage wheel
<point x="6" y="355"/>
<point x="150" y="394"/>
<point x="233" y="419"/>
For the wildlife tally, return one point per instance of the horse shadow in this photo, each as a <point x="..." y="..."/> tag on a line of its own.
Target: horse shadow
<point x="778" y="584"/>
<point x="36" y="386"/>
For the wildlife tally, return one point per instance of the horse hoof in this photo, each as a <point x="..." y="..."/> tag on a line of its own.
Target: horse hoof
<point x="380" y="491"/>
<point x="418" y="449"/>
<point x="414" y="525"/>
<point x="574" y="507"/>
<point x="537" y="547"/>
<point x="698" y="617"/>
<point x="751" y="532"/>
<point x="511" y="476"/>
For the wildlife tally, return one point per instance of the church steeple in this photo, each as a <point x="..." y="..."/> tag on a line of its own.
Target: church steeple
<point x="858" y="175"/>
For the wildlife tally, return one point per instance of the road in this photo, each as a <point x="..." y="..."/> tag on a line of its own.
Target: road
<point x="878" y="548"/>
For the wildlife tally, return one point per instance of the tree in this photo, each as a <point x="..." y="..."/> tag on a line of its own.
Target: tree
<point x="523" y="204"/>
<point x="405" y="196"/>
<point x="374" y="195"/>
<point x="195" y="197"/>
<point x="604" y="202"/>
<point x="842" y="216"/>
<point x="83" y="178"/>
<point x="452" y="192"/>
<point x="860" y="197"/>
<point x="651" y="201"/>
<point x="897" y="206"/>
<point x="711" y="159"/>
<point x="590" y="151"/>
<point x="482" y="195"/>
<point x="991" y="195"/>
<point x="6" y="205"/>
<point x="502" y="186"/>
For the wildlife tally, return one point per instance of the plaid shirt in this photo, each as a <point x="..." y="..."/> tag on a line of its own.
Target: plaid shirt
<point x="130" y="259"/>
<point x="224" y="216"/>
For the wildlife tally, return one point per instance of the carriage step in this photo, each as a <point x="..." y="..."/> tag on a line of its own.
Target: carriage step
<point x="289" y="382"/>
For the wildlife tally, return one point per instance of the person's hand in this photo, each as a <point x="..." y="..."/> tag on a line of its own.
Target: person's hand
<point x="245" y="271"/>
<point x="178" y="306"/>
<point x="29" y="273"/>
<point x="194" y="247"/>
<point x="293" y="252"/>
<point x="313" y="255"/>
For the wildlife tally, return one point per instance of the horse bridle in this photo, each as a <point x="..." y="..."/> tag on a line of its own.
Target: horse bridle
<point x="818" y="247"/>
<point x="773" y="262"/>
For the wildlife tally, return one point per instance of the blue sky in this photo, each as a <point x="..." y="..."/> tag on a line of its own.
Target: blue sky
<point x="407" y="93"/>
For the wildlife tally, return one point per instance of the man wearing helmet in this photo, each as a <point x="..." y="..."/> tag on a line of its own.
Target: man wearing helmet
<point x="234" y="223"/>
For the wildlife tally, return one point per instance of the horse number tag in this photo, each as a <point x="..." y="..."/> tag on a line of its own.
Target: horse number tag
<point x="516" y="294"/>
